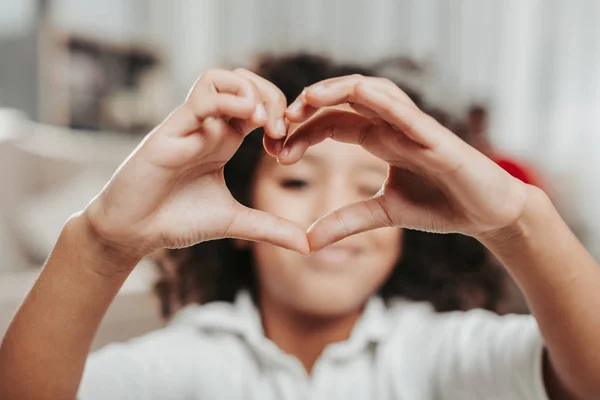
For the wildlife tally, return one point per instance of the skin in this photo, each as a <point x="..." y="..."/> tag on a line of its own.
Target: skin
<point x="307" y="302"/>
<point x="435" y="182"/>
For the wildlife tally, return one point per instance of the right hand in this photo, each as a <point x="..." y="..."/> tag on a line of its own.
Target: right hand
<point x="170" y="192"/>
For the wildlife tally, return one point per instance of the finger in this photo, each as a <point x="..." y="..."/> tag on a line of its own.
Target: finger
<point x="222" y="81"/>
<point x="300" y="110"/>
<point x="380" y="96"/>
<point x="273" y="146"/>
<point x="312" y="112"/>
<point x="259" y="226"/>
<point x="274" y="101"/>
<point x="250" y="90"/>
<point x="385" y="102"/>
<point x="366" y="112"/>
<point x="349" y="220"/>
<point x="277" y="126"/>
<point x="411" y="121"/>
<point x="218" y="81"/>
<point x="309" y="97"/>
<point x="344" y="90"/>
<point x="342" y="126"/>
<point x="188" y="117"/>
<point x="293" y="153"/>
<point x="382" y="84"/>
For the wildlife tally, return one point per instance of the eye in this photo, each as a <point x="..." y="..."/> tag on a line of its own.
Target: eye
<point x="294" y="183"/>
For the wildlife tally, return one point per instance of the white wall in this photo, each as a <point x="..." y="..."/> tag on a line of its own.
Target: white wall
<point x="18" y="64"/>
<point x="118" y="21"/>
<point x="17" y="17"/>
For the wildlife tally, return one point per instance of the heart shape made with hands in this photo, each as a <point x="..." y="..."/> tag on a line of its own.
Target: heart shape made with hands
<point x="435" y="181"/>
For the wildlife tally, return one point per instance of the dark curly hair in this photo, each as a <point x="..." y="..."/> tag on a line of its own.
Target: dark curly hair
<point x="453" y="272"/>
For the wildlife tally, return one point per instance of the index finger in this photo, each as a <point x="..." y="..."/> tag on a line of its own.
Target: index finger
<point x="382" y="97"/>
<point x="339" y="125"/>
<point x="274" y="101"/>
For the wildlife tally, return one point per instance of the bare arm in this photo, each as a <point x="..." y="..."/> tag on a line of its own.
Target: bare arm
<point x="48" y="341"/>
<point x="562" y="284"/>
<point x="438" y="183"/>
<point x="145" y="206"/>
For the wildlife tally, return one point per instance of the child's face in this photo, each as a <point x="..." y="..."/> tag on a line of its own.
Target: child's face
<point x="338" y="278"/>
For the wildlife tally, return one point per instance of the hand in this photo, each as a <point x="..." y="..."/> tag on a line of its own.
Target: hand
<point x="436" y="182"/>
<point x="170" y="192"/>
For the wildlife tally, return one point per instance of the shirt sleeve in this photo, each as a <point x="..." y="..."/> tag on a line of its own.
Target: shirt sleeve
<point x="481" y="355"/>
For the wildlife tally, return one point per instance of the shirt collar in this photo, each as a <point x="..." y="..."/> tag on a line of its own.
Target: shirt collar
<point x="243" y="318"/>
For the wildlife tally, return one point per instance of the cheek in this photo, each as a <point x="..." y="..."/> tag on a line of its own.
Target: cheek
<point x="268" y="257"/>
<point x="387" y="246"/>
<point x="278" y="271"/>
<point x="294" y="206"/>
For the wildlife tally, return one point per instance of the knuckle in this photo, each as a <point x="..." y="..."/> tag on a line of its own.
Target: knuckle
<point x="387" y="81"/>
<point x="279" y="99"/>
<point x="341" y="223"/>
<point x="216" y="106"/>
<point x="209" y="73"/>
<point x="364" y="132"/>
<point x="251" y="87"/>
<point x="274" y="97"/>
<point x="413" y="124"/>
<point x="389" y="107"/>
<point x="358" y="88"/>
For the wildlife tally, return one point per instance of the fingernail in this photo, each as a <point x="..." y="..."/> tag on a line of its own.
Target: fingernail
<point x="280" y="127"/>
<point x="295" y="107"/>
<point x="284" y="153"/>
<point x="277" y="147"/>
<point x="317" y="88"/>
<point x="260" y="112"/>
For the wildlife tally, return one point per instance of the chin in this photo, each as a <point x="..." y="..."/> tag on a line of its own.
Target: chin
<point x="326" y="300"/>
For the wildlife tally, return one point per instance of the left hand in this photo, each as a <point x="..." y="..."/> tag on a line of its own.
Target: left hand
<point x="436" y="182"/>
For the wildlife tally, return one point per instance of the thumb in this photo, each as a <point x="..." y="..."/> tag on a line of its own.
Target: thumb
<point x="259" y="226"/>
<point x="348" y="220"/>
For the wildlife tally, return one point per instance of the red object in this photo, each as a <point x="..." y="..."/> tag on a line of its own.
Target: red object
<point x="518" y="171"/>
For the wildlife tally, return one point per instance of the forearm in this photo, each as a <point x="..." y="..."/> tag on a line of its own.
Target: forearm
<point x="44" y="351"/>
<point x="561" y="281"/>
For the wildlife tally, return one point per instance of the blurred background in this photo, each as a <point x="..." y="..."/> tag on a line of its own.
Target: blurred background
<point x="81" y="82"/>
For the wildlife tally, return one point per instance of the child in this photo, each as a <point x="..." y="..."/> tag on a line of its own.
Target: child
<point x="453" y="272"/>
<point x="309" y="323"/>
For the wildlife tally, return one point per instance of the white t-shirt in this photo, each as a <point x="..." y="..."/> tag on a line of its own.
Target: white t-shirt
<point x="403" y="350"/>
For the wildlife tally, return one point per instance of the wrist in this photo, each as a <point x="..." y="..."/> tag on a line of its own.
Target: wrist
<point x="112" y="259"/>
<point x="517" y="236"/>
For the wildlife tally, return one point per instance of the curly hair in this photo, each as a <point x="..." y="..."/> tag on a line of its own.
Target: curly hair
<point x="452" y="271"/>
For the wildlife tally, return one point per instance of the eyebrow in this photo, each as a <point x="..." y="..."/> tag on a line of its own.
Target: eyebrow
<point x="311" y="159"/>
